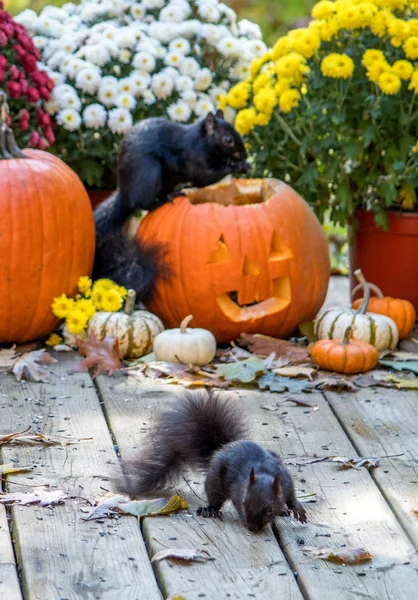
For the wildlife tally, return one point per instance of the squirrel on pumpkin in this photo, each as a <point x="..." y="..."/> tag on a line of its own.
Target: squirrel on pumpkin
<point x="207" y="430"/>
<point x="156" y="157"/>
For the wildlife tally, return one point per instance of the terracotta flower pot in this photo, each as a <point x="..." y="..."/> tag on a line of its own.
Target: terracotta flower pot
<point x="388" y="259"/>
<point x="97" y="196"/>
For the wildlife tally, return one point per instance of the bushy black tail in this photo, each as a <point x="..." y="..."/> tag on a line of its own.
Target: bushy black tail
<point x="187" y="434"/>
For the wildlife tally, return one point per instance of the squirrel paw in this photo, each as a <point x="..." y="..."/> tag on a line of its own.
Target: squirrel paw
<point x="209" y="512"/>
<point x="286" y="512"/>
<point x="299" y="512"/>
<point x="172" y="195"/>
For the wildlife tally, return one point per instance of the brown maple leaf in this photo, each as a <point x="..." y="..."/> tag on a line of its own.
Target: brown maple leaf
<point x="263" y="345"/>
<point x="102" y="354"/>
<point x="32" y="366"/>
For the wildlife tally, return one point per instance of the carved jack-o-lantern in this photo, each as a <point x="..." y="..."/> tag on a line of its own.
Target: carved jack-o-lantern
<point x="248" y="256"/>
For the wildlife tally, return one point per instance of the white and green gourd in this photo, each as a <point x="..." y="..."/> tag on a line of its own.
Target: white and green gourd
<point x="134" y="329"/>
<point x="187" y="345"/>
<point x="378" y="330"/>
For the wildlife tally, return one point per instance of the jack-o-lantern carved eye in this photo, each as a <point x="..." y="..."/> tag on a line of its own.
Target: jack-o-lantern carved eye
<point x="220" y="253"/>
<point x="278" y="249"/>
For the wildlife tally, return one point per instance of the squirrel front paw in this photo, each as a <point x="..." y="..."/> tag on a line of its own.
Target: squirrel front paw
<point x="299" y="512"/>
<point x="209" y="512"/>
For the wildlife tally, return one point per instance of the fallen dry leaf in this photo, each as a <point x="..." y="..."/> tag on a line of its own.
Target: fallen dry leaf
<point x="182" y="554"/>
<point x="300" y="461"/>
<point x="40" y="496"/>
<point x="345" y="556"/>
<point x="22" y="438"/>
<point x="243" y="371"/>
<point x="102" y="354"/>
<point x="303" y="402"/>
<point x="263" y="345"/>
<point x="106" y="506"/>
<point x="31" y="366"/>
<point x="8" y="357"/>
<point x="9" y="468"/>
<point x="339" y="383"/>
<point x="158" y="506"/>
<point x="356" y="462"/>
<point x="295" y="371"/>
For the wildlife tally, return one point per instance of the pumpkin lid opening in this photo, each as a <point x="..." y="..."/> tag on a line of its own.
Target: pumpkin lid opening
<point x="235" y="192"/>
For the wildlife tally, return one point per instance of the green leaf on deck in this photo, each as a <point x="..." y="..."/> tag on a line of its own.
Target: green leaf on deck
<point x="275" y="383"/>
<point x="398" y="365"/>
<point x="244" y="371"/>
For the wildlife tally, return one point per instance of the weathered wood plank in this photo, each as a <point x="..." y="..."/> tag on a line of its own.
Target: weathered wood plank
<point x="60" y="555"/>
<point x="245" y="565"/>
<point x="9" y="582"/>
<point x="350" y="510"/>
<point x="384" y="422"/>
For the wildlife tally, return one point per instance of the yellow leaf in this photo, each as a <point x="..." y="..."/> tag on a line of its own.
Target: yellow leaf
<point x="407" y="196"/>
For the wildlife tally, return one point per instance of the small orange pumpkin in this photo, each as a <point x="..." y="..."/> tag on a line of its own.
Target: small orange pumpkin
<point x="47" y="236"/>
<point x="345" y="356"/>
<point x="401" y="311"/>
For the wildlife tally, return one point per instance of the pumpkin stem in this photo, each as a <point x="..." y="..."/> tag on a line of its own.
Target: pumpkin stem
<point x="347" y="335"/>
<point x="362" y="309"/>
<point x="185" y="322"/>
<point x="8" y="147"/>
<point x="372" y="287"/>
<point x="130" y="302"/>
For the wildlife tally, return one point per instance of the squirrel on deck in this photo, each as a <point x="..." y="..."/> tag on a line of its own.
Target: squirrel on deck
<point x="155" y="157"/>
<point x="207" y="430"/>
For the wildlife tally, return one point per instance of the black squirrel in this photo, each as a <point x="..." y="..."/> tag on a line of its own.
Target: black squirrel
<point x="155" y="157"/>
<point x="207" y="430"/>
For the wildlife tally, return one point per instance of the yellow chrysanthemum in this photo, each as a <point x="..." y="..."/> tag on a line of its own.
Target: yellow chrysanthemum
<point x="326" y="29"/>
<point x="104" y="284"/>
<point x="281" y="48"/>
<point x="238" y="95"/>
<point x="288" y="100"/>
<point x="61" y="306"/>
<point x="323" y="9"/>
<point x="397" y="28"/>
<point x="84" y="284"/>
<point x="53" y="340"/>
<point x="263" y="119"/>
<point x="265" y="100"/>
<point x="259" y="62"/>
<point x="372" y="56"/>
<point x="356" y="17"/>
<point x="378" y="24"/>
<point x="122" y="291"/>
<point x="410" y="47"/>
<point x="222" y="101"/>
<point x="261" y="81"/>
<point x="283" y="84"/>
<point x="290" y="65"/>
<point x="413" y="27"/>
<point x="97" y="298"/>
<point x="307" y="43"/>
<point x="413" y="84"/>
<point x="86" y="306"/>
<point x="245" y="120"/>
<point x="389" y="83"/>
<point x="338" y="66"/>
<point x="391" y="4"/>
<point x="403" y="69"/>
<point x="376" y="69"/>
<point x="76" y="322"/>
<point x="111" y="301"/>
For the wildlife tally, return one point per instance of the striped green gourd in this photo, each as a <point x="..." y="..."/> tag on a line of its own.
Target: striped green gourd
<point x="378" y="330"/>
<point x="135" y="330"/>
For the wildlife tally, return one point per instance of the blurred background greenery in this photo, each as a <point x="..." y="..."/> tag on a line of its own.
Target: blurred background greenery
<point x="274" y="16"/>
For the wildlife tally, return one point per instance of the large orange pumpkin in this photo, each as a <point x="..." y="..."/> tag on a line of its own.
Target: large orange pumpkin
<point x="47" y="237"/>
<point x="248" y="256"/>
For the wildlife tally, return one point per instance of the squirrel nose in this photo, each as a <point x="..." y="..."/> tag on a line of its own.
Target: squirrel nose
<point x="237" y="155"/>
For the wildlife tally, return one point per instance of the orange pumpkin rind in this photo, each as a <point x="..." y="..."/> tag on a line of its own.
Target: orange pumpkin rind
<point x="345" y="355"/>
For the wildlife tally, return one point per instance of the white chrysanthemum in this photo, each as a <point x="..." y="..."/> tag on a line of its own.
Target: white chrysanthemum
<point x="257" y="47"/>
<point x="68" y="44"/>
<point x="94" y="116"/>
<point x="184" y="6"/>
<point x="140" y="82"/>
<point x="242" y="70"/>
<point x="190" y="97"/>
<point x="125" y="38"/>
<point x="56" y="77"/>
<point x="172" y="13"/>
<point x="69" y="7"/>
<point x="124" y="56"/>
<point x="179" y="111"/>
<point x="189" y="66"/>
<point x="51" y="107"/>
<point x="126" y="100"/>
<point x="225" y="84"/>
<point x="148" y="98"/>
<point x="64" y="88"/>
<point x="54" y="12"/>
<point x="73" y="23"/>
<point x="108" y="93"/>
<point x="49" y="27"/>
<point x="230" y="114"/>
<point x="163" y="32"/>
<point x="215" y="94"/>
<point x="69" y="100"/>
<point x="144" y="61"/>
<point x="190" y="28"/>
<point x="111" y="46"/>
<point x="110" y="80"/>
<point x="88" y="80"/>
<point x="119" y="120"/>
<point x="211" y="33"/>
<point x="149" y="45"/>
<point x="170" y="72"/>
<point x="73" y="67"/>
<point x="28" y="18"/>
<point x="40" y="41"/>
<point x="229" y="46"/>
<point x="126" y="85"/>
<point x="203" y="106"/>
<point x="138" y="11"/>
<point x="162" y="85"/>
<point x="231" y="16"/>
<point x="203" y="80"/>
<point x="69" y="118"/>
<point x="152" y="4"/>
<point x="173" y="59"/>
<point x="179" y="44"/>
<point x="209" y="12"/>
<point x="249" y="29"/>
<point x="98" y="55"/>
<point x="183" y="83"/>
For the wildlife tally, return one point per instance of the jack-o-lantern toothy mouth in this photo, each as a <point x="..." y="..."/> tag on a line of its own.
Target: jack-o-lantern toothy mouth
<point x="230" y="306"/>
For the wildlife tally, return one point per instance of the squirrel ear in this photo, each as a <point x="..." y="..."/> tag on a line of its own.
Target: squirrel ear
<point x="276" y="485"/>
<point x="210" y="124"/>
<point x="219" y="113"/>
<point x="252" y="477"/>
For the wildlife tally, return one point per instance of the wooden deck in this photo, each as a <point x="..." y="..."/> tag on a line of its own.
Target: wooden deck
<point x="54" y="554"/>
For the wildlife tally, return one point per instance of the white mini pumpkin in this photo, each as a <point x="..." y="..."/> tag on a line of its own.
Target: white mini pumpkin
<point x="378" y="330"/>
<point x="135" y="330"/>
<point x="185" y="345"/>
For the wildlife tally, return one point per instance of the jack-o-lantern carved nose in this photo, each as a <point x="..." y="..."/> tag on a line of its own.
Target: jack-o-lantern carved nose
<point x="249" y="267"/>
